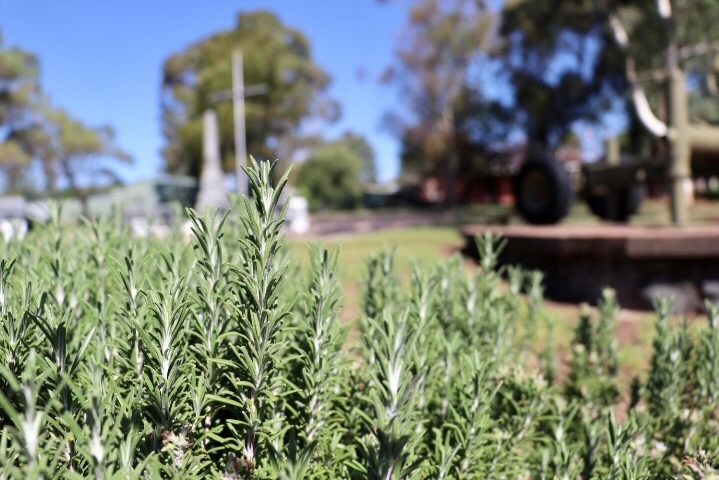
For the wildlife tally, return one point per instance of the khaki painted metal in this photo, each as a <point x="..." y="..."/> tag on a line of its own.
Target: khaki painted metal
<point x="679" y="140"/>
<point x="683" y="138"/>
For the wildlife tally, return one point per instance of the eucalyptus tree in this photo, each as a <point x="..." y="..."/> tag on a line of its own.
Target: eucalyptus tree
<point x="276" y="55"/>
<point x="561" y="65"/>
<point x="36" y="136"/>
<point x="75" y="153"/>
<point x="19" y="89"/>
<point x="576" y="60"/>
<point x="435" y="66"/>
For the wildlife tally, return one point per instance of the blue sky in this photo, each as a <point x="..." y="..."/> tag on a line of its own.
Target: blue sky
<point x="102" y="60"/>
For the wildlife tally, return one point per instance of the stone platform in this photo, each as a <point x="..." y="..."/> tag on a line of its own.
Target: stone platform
<point x="640" y="263"/>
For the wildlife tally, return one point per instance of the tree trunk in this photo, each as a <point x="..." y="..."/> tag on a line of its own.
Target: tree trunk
<point x="450" y="177"/>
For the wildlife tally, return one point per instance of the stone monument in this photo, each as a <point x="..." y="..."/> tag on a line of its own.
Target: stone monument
<point x="212" y="190"/>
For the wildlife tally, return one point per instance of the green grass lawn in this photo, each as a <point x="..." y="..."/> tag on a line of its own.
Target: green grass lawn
<point x="421" y="244"/>
<point x="431" y="244"/>
<point x="416" y="244"/>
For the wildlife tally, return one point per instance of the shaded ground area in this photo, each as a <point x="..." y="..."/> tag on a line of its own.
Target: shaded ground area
<point x="640" y="263"/>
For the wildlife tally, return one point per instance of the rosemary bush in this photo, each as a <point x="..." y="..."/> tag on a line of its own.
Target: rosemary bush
<point x="146" y="358"/>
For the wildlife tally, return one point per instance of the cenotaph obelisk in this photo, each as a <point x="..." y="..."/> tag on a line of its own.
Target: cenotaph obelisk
<point x="213" y="191"/>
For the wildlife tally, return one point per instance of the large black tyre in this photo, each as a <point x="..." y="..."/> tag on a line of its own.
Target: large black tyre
<point x="626" y="203"/>
<point x="542" y="190"/>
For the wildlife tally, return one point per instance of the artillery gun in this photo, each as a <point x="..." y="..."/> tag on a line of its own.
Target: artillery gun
<point x="613" y="188"/>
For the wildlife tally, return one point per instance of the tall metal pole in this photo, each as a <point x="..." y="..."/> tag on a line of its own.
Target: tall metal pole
<point x="238" y="100"/>
<point x="679" y="146"/>
<point x="680" y="167"/>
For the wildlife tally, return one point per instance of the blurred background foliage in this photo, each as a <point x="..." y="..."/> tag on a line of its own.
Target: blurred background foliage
<point x="473" y="78"/>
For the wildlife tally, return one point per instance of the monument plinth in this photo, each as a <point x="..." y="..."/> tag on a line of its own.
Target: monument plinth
<point x="639" y="263"/>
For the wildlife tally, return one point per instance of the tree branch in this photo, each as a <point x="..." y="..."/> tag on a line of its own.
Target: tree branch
<point x="644" y="111"/>
<point x="700" y="48"/>
<point x="620" y="34"/>
<point x="664" y="7"/>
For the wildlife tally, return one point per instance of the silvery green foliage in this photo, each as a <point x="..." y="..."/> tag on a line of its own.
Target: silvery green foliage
<point x="390" y="451"/>
<point x="213" y="357"/>
<point x="316" y="408"/>
<point x="381" y="287"/>
<point x="593" y="368"/>
<point x="254" y="385"/>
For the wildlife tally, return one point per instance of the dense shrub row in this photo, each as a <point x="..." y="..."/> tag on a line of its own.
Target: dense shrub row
<point x="131" y="358"/>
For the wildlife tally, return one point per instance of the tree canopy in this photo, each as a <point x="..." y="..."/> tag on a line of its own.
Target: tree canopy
<point x="440" y="44"/>
<point x="552" y="64"/>
<point x="40" y="140"/>
<point x="73" y="150"/>
<point x="330" y="177"/>
<point x="358" y="145"/>
<point x="19" y="91"/>
<point x="275" y="55"/>
<point x="569" y="61"/>
<point x="555" y="57"/>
